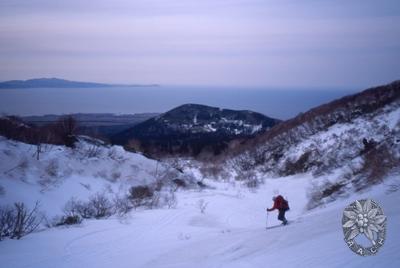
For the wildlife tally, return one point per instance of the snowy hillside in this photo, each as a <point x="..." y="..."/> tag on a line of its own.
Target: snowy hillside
<point x="62" y="173"/>
<point x="190" y="129"/>
<point x="230" y="233"/>
<point x="351" y="144"/>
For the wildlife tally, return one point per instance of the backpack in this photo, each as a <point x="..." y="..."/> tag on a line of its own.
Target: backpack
<point x="285" y="204"/>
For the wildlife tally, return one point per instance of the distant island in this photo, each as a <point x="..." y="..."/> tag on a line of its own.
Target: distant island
<point x="58" y="83"/>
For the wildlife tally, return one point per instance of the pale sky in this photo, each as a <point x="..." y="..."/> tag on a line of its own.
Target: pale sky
<point x="281" y="43"/>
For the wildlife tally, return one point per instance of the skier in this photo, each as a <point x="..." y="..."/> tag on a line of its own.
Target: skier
<point x="282" y="205"/>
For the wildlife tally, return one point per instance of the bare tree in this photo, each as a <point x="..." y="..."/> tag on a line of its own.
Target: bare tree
<point x="41" y="137"/>
<point x="76" y="207"/>
<point x="140" y="195"/>
<point x="26" y="221"/>
<point x="170" y="199"/>
<point x="85" y="210"/>
<point x="71" y="208"/>
<point x="71" y="214"/>
<point x="100" y="205"/>
<point x="18" y="221"/>
<point x="66" y="129"/>
<point x="93" y="150"/>
<point x="122" y="205"/>
<point x="154" y="200"/>
<point x="38" y="150"/>
<point x="7" y="219"/>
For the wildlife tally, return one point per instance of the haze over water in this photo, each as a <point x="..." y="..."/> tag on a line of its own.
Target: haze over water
<point x="242" y="45"/>
<point x="278" y="103"/>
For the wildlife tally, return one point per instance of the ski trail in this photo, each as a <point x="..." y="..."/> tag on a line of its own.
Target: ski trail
<point x="68" y="245"/>
<point x="230" y="233"/>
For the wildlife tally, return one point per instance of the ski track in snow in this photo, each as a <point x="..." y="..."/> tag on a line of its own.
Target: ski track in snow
<point x="69" y="244"/>
<point x="231" y="233"/>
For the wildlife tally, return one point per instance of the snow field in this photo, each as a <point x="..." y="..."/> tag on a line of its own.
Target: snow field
<point x="230" y="233"/>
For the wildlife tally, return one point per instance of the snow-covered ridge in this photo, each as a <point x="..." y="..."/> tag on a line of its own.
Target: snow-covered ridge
<point x="335" y="130"/>
<point x="192" y="128"/>
<point x="344" y="142"/>
<point x="340" y="142"/>
<point x="350" y="144"/>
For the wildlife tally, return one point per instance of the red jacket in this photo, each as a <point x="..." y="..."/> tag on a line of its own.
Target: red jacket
<point x="278" y="204"/>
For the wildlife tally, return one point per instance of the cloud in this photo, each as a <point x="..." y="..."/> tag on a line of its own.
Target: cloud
<point x="202" y="42"/>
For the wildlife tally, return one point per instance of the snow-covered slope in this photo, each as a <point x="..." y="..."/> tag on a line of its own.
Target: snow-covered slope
<point x="230" y="233"/>
<point x="62" y="173"/>
<point x="191" y="128"/>
<point x="352" y="142"/>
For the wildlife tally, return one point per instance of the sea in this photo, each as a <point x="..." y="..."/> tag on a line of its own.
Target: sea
<point x="281" y="103"/>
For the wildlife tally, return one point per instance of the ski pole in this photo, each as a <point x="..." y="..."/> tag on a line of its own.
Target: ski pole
<point x="266" y="224"/>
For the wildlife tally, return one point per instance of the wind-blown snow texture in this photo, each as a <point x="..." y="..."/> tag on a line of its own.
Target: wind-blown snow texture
<point x="62" y="173"/>
<point x="330" y="153"/>
<point x="231" y="233"/>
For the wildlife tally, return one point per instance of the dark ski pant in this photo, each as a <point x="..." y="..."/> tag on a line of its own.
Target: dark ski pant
<point x="281" y="216"/>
